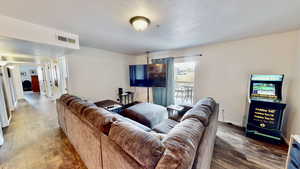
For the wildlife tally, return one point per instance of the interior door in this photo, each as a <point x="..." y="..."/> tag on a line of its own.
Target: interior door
<point x="35" y="83"/>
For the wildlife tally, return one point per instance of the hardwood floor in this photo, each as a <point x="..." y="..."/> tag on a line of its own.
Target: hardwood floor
<point x="235" y="151"/>
<point x="34" y="141"/>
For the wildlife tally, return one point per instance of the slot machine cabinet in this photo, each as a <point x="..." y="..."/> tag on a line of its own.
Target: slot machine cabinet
<point x="266" y="108"/>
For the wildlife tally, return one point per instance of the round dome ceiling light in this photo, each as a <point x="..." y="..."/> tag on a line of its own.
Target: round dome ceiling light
<point x="140" y="23"/>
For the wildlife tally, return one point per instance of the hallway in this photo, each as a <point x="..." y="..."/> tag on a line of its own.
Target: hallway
<point x="34" y="141"/>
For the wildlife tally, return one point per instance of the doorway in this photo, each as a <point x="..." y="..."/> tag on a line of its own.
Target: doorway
<point x="30" y="79"/>
<point x="184" y="72"/>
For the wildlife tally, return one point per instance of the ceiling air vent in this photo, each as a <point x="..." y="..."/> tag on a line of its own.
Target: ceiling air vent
<point x="66" y="39"/>
<point x="3" y="58"/>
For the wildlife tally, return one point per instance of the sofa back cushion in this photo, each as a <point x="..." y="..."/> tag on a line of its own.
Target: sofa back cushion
<point x="181" y="145"/>
<point x="99" y="119"/>
<point x="64" y="96"/>
<point x="208" y="102"/>
<point x="79" y="106"/>
<point x="202" y="111"/>
<point x="96" y="118"/>
<point x="69" y="99"/>
<point x="199" y="114"/>
<point x="142" y="146"/>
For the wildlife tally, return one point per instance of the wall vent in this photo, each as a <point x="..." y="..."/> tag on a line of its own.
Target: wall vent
<point x="66" y="39"/>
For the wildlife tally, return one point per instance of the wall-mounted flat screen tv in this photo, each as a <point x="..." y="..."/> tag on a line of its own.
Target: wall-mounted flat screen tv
<point x="151" y="75"/>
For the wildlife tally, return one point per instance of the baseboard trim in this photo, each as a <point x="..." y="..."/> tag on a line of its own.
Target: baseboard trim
<point x="286" y="140"/>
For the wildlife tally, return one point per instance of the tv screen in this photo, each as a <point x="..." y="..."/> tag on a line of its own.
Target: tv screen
<point x="264" y="90"/>
<point x="152" y="75"/>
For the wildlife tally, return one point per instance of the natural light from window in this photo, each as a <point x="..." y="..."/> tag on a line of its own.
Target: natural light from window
<point x="184" y="82"/>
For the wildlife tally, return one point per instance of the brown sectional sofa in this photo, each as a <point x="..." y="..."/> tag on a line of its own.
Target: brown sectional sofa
<point x="109" y="141"/>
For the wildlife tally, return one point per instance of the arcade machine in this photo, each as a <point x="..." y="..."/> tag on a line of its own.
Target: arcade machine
<point x="266" y="108"/>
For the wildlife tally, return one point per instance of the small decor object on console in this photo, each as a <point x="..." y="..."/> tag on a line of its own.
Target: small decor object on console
<point x="125" y="98"/>
<point x="293" y="159"/>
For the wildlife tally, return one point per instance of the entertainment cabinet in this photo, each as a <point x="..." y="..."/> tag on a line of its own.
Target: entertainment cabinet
<point x="266" y="108"/>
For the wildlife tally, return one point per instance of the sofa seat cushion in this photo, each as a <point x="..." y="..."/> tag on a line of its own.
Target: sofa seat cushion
<point x="146" y="113"/>
<point x="165" y="126"/>
<point x="181" y="145"/>
<point x="142" y="146"/>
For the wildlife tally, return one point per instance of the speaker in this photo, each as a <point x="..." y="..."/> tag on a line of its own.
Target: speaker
<point x="8" y="73"/>
<point x="120" y="91"/>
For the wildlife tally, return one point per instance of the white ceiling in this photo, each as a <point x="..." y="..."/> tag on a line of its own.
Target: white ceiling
<point x="183" y="23"/>
<point x="12" y="50"/>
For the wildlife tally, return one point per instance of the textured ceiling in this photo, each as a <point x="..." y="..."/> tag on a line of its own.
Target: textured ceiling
<point x="175" y="23"/>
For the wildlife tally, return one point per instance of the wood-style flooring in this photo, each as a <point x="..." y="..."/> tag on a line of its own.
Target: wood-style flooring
<point x="235" y="151"/>
<point x="34" y="141"/>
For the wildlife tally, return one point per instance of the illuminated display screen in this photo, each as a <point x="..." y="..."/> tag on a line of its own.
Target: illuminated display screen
<point x="264" y="90"/>
<point x="267" y="77"/>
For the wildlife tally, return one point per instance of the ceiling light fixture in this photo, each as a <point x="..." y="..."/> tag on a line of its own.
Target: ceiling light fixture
<point x="140" y="23"/>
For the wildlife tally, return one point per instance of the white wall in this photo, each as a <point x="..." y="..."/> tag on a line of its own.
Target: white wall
<point x="18" y="29"/>
<point x="28" y="70"/>
<point x="97" y="74"/>
<point x="293" y="111"/>
<point x="17" y="82"/>
<point x="4" y="118"/>
<point x="8" y="89"/>
<point x="224" y="69"/>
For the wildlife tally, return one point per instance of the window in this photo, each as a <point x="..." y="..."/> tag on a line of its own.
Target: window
<point x="184" y="82"/>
